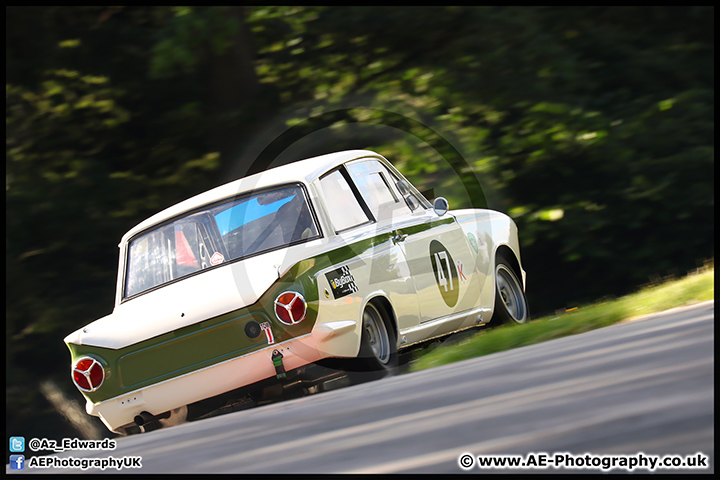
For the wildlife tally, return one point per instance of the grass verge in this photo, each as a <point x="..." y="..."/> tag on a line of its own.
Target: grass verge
<point x="696" y="287"/>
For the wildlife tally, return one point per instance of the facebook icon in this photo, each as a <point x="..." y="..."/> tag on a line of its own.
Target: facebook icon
<point x="17" y="462"/>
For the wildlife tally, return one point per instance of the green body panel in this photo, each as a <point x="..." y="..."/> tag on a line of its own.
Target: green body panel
<point x="189" y="351"/>
<point x="221" y="338"/>
<point x="200" y="345"/>
<point x="427" y="226"/>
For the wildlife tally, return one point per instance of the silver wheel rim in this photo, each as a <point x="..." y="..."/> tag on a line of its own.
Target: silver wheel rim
<point x="511" y="294"/>
<point x="376" y="334"/>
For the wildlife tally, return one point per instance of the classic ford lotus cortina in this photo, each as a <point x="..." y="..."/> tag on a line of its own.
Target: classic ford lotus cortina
<point x="244" y="289"/>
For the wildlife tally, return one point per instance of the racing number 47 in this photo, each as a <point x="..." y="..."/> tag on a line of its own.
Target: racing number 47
<point x="442" y="279"/>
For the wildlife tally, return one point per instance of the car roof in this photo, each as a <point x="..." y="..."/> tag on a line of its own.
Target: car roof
<point x="300" y="171"/>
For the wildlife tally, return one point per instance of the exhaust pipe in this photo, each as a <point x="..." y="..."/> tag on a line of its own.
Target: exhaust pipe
<point x="145" y="417"/>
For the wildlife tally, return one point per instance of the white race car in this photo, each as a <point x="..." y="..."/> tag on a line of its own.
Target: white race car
<point x="244" y="289"/>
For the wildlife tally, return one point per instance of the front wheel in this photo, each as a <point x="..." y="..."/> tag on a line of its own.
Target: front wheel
<point x="510" y="302"/>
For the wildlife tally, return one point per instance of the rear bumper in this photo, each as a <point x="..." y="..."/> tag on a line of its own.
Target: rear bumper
<point x="331" y="339"/>
<point x="205" y="383"/>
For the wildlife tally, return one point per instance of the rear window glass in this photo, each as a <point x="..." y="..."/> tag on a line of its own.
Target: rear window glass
<point x="223" y="232"/>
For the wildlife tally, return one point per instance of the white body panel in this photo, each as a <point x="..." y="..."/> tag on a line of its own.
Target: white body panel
<point x="379" y="272"/>
<point x="175" y="306"/>
<point x="451" y="270"/>
<point x="492" y="230"/>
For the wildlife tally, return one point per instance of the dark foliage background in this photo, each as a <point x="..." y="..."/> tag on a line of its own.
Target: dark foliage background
<point x="593" y="127"/>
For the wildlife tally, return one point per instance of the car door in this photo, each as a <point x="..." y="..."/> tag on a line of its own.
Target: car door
<point x="435" y="248"/>
<point x="359" y="214"/>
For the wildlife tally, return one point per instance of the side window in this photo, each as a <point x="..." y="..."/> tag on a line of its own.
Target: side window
<point x="385" y="193"/>
<point x="410" y="199"/>
<point x="409" y="195"/>
<point x="373" y="182"/>
<point x="343" y="206"/>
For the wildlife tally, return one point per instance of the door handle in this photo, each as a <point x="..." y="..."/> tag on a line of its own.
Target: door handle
<point x="399" y="237"/>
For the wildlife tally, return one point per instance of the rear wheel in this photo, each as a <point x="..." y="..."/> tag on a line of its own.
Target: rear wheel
<point x="510" y="302"/>
<point x="378" y="347"/>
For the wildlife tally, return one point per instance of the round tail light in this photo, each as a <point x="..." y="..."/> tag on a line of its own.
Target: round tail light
<point x="290" y="308"/>
<point x="88" y="374"/>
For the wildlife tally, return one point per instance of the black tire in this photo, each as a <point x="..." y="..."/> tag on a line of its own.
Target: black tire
<point x="511" y="305"/>
<point x="378" y="346"/>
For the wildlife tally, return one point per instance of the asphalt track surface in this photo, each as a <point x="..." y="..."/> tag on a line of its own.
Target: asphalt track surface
<point x="642" y="386"/>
